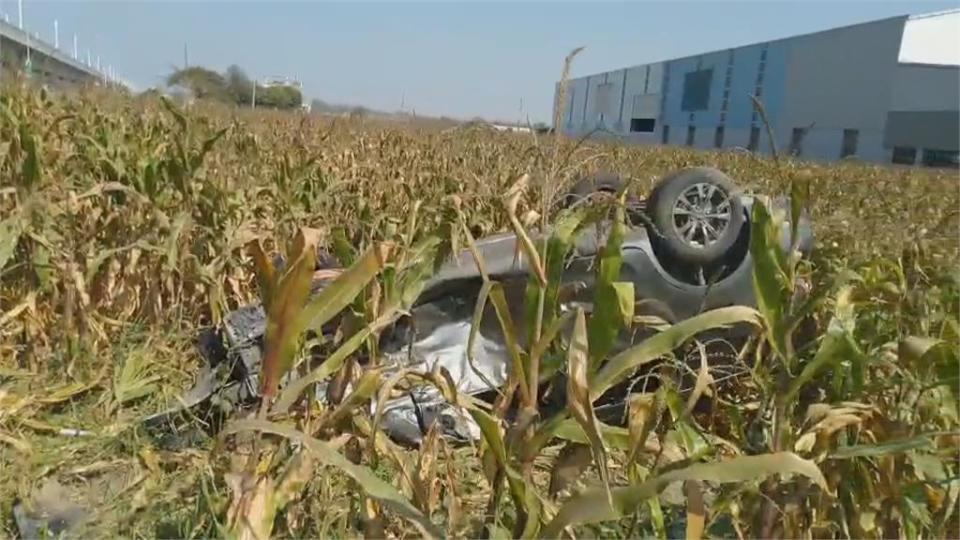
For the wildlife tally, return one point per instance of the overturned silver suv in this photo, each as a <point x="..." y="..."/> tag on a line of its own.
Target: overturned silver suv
<point x="686" y="252"/>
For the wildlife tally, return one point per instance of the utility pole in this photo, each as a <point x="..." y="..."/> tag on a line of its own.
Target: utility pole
<point x="20" y="13"/>
<point x="56" y="34"/>
<point x="98" y="62"/>
<point x="89" y="63"/>
<point x="253" y="98"/>
<point x="76" y="54"/>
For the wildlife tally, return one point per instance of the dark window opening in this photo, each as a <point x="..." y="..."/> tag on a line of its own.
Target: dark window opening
<point x="796" y="141"/>
<point x="696" y="90"/>
<point x="940" y="158"/>
<point x="718" y="137"/>
<point x="642" y="125"/>
<point x="849" y="146"/>
<point x="665" y="136"/>
<point x="904" y="155"/>
<point x="754" y="139"/>
<point x="691" y="135"/>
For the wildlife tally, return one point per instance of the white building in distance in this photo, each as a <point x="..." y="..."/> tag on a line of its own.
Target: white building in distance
<point x="886" y="91"/>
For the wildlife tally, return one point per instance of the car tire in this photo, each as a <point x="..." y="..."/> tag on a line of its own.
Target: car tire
<point x="697" y="214"/>
<point x="588" y="186"/>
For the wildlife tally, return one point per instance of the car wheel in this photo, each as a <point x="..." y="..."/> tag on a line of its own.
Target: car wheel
<point x="698" y="214"/>
<point x="589" y="186"/>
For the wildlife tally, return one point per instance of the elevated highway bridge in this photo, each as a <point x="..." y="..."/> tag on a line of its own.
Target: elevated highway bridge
<point x="41" y="61"/>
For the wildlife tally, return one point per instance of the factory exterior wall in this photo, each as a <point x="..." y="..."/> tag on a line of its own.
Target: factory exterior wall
<point x="827" y="95"/>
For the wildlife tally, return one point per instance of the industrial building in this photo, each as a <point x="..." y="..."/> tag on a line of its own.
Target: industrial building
<point x="886" y="91"/>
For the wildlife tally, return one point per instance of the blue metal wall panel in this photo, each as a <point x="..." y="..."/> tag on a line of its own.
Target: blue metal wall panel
<point x="746" y="63"/>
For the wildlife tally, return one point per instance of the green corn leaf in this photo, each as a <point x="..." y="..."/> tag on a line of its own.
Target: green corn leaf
<point x="31" y="168"/>
<point x="501" y="307"/>
<point x="613" y="436"/>
<point x="525" y="499"/>
<point x="625" y="363"/>
<point x="770" y="281"/>
<point x="345" y="289"/>
<point x="371" y="484"/>
<point x="558" y="246"/>
<point x="331" y="365"/>
<point x="837" y="345"/>
<point x="479" y="307"/>
<point x="175" y="111"/>
<point x="898" y="446"/>
<point x="579" y="401"/>
<point x="593" y="507"/>
<point x="608" y="318"/>
<point x="931" y="354"/>
<point x="266" y="273"/>
<point x="10" y="230"/>
<point x="284" y="329"/>
<point x="197" y="160"/>
<point x="365" y="388"/>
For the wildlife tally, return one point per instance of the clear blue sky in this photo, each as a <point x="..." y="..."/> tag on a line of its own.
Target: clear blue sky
<point x="452" y="58"/>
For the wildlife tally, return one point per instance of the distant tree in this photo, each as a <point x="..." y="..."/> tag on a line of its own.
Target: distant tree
<point x="201" y="82"/>
<point x="238" y="84"/>
<point x="279" y="97"/>
<point x="233" y="86"/>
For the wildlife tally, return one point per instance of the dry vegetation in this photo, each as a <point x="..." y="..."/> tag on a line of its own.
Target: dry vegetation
<point x="127" y="225"/>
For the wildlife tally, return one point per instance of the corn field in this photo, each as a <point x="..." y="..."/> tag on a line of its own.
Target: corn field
<point x="129" y="223"/>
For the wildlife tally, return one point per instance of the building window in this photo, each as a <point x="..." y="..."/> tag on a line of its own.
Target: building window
<point x="796" y="141"/>
<point x="642" y="125"/>
<point x="940" y="158"/>
<point x="849" y="146"/>
<point x="665" y="136"/>
<point x="904" y="155"/>
<point x="691" y="135"/>
<point x="754" y="139"/>
<point x="718" y="137"/>
<point x="696" y="90"/>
